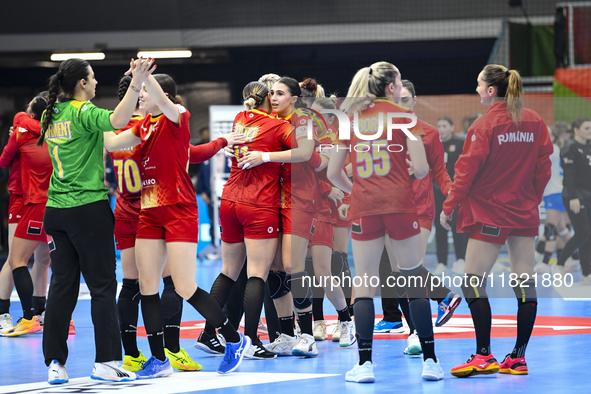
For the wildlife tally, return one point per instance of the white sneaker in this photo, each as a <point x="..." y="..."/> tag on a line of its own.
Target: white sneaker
<point x="5" y="323"/>
<point x="557" y="269"/>
<point x="541" y="268"/>
<point x="282" y="345"/>
<point x="432" y="370"/>
<point x="586" y="280"/>
<point x="57" y="373"/>
<point x="320" y="330"/>
<point x="361" y="373"/>
<point x="413" y="348"/>
<point x="348" y="337"/>
<point x="336" y="334"/>
<point x="111" y="371"/>
<point x="441" y="268"/>
<point x="306" y="346"/>
<point x="41" y="318"/>
<point x="539" y="257"/>
<point x="572" y="265"/>
<point x="258" y="351"/>
<point x="459" y="267"/>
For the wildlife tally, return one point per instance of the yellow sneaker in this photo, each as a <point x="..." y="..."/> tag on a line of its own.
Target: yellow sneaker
<point x="134" y="364"/>
<point x="25" y="326"/>
<point x="182" y="361"/>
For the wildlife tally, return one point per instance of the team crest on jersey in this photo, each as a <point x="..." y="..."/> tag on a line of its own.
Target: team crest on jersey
<point x="302" y="121"/>
<point x="251" y="115"/>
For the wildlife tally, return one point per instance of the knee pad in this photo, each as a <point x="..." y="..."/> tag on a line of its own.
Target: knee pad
<point x="300" y="287"/>
<point x="474" y="287"/>
<point x="550" y="232"/>
<point x="339" y="264"/>
<point x="130" y="290"/>
<point x="171" y="302"/>
<point x="415" y="283"/>
<point x="526" y="292"/>
<point x="277" y="284"/>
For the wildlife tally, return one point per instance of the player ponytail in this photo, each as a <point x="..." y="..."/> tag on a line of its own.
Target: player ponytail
<point x="269" y="80"/>
<point x="509" y="87"/>
<point x="369" y="83"/>
<point x="169" y="88"/>
<point x="38" y="105"/>
<point x="254" y="94"/>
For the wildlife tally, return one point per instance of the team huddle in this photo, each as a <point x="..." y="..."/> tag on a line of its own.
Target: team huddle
<point x="309" y="173"/>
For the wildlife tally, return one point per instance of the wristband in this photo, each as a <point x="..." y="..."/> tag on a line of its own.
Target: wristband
<point x="266" y="156"/>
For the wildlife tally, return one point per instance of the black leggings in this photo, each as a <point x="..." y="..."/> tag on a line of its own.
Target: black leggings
<point x="460" y="239"/>
<point x="582" y="239"/>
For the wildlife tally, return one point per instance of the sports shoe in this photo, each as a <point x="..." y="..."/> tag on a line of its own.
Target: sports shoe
<point x="154" y="368"/>
<point x="440" y="269"/>
<point x="348" y="337"/>
<point x="541" y="268"/>
<point x="72" y="330"/>
<point x="361" y="373"/>
<point x="111" y="371"/>
<point x="514" y="366"/>
<point x="57" y="373"/>
<point x="5" y="324"/>
<point x="336" y="333"/>
<point x="283" y="345"/>
<point x="413" y="347"/>
<point x="257" y="351"/>
<point x="539" y="257"/>
<point x="432" y="370"/>
<point x="459" y="267"/>
<point x="585" y="280"/>
<point x="210" y="344"/>
<point x="234" y="354"/>
<point x="446" y="308"/>
<point x="181" y="360"/>
<point x="25" y="326"/>
<point x="476" y="365"/>
<point x="41" y="318"/>
<point x="261" y="329"/>
<point x="572" y="265"/>
<point x="306" y="346"/>
<point x="557" y="269"/>
<point x="391" y="327"/>
<point x="320" y="330"/>
<point x="134" y="364"/>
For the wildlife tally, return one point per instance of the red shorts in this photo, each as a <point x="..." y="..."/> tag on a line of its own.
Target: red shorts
<point x="31" y="223"/>
<point x="125" y="233"/>
<point x="399" y="226"/>
<point x="296" y="222"/>
<point x="499" y="235"/>
<point x="15" y="204"/>
<point x="426" y="223"/>
<point x="239" y="221"/>
<point x="343" y="223"/>
<point x="323" y="235"/>
<point x="173" y="223"/>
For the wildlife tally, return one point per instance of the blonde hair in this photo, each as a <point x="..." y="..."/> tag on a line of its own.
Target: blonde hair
<point x="269" y="80"/>
<point x="509" y="87"/>
<point x="368" y="84"/>
<point x="253" y="94"/>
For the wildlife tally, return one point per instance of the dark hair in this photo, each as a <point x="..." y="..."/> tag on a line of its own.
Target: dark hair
<point x="309" y="87"/>
<point x="38" y="105"/>
<point x="578" y="122"/>
<point x="169" y="87"/>
<point x="254" y="94"/>
<point x="508" y="85"/>
<point x="447" y="119"/>
<point x="294" y="89"/>
<point x="124" y="83"/>
<point x="64" y="81"/>
<point x="409" y="86"/>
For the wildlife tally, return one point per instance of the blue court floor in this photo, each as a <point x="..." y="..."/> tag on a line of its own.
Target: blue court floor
<point x="557" y="356"/>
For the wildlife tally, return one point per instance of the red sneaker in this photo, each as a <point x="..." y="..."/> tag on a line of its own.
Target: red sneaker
<point x="72" y="328"/>
<point x="514" y="366"/>
<point x="476" y="365"/>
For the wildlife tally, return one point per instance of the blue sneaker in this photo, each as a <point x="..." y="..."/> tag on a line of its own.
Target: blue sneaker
<point x="234" y="354"/>
<point x="154" y="368"/>
<point x="391" y="327"/>
<point x="446" y="308"/>
<point x="361" y="373"/>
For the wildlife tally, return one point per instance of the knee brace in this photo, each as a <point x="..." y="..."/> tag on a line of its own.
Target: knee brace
<point x="526" y="292"/>
<point x="339" y="264"/>
<point x="474" y="287"/>
<point x="415" y="283"/>
<point x="171" y="302"/>
<point x="300" y="285"/>
<point x="550" y="232"/>
<point x="277" y="284"/>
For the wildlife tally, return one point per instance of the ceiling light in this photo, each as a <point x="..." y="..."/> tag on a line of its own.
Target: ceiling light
<point x="165" y="54"/>
<point x="60" y="57"/>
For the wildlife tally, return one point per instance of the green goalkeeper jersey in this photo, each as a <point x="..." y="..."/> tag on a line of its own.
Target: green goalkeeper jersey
<point x="75" y="140"/>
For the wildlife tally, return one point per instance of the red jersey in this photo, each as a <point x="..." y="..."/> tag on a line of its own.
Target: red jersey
<point x="423" y="188"/>
<point x="36" y="165"/>
<point x="165" y="158"/>
<point x="126" y="163"/>
<point x="11" y="158"/>
<point x="204" y="152"/>
<point x="381" y="183"/>
<point x="328" y="211"/>
<point x="502" y="172"/>
<point x="299" y="184"/>
<point x="258" y="186"/>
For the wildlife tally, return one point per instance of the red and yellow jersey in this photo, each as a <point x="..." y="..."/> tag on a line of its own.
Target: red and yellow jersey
<point x="381" y="183"/>
<point x="126" y="163"/>
<point x="11" y="158"/>
<point x="328" y="211"/>
<point x="36" y="165"/>
<point x="299" y="184"/>
<point x="164" y="161"/>
<point x="423" y="188"/>
<point x="258" y="186"/>
<point x="502" y="172"/>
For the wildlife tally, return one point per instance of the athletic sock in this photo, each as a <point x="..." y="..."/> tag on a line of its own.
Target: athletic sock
<point x="209" y="308"/>
<point x="286" y="325"/>
<point x="220" y="291"/>
<point x="128" y="307"/>
<point x="420" y="311"/>
<point x="344" y="314"/>
<point x="254" y="294"/>
<point x="364" y="322"/>
<point x="482" y="318"/>
<point x="438" y="293"/>
<point x="526" y="318"/>
<point x="559" y="252"/>
<point x="547" y="256"/>
<point x="152" y="314"/>
<point x="172" y="311"/>
<point x="39" y="305"/>
<point x="24" y="288"/>
<point x="305" y="319"/>
<point x="318" y="304"/>
<point x="4" y="306"/>
<point x="540" y="247"/>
